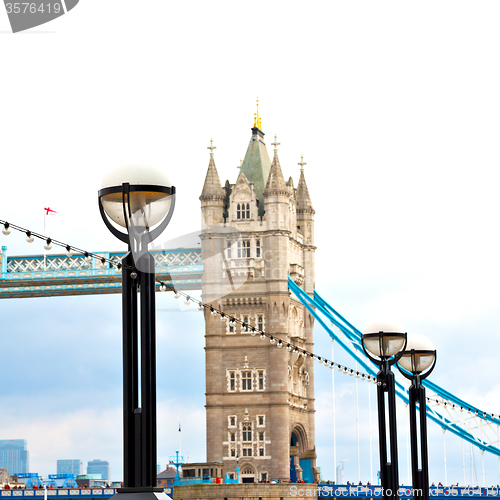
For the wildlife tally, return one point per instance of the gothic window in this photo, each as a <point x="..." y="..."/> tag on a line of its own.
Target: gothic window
<point x="247" y="452"/>
<point x="260" y="420"/>
<point x="233" y="453"/>
<point x="248" y="211"/>
<point x="232" y="381"/>
<point x="230" y="328"/>
<point x="245" y="322"/>
<point x="232" y="420"/>
<point x="261" y="436"/>
<point x="246" y="381"/>
<point x="247" y="432"/>
<point x="260" y="323"/>
<point x="257" y="249"/>
<point x="233" y="436"/>
<point x="294" y="330"/>
<point x="244" y="249"/>
<point x="261" y="453"/>
<point x="238" y="212"/>
<point x="261" y="380"/>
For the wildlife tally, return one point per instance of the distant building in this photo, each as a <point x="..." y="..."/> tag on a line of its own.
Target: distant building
<point x="166" y="477"/>
<point x="70" y="467"/>
<point x="14" y="456"/>
<point x="99" y="467"/>
<point x="5" y="476"/>
<point x="90" y="480"/>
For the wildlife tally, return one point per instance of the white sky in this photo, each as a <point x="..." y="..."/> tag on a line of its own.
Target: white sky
<point x="394" y="106"/>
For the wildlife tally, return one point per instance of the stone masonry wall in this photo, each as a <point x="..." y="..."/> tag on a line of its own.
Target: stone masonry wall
<point x="247" y="491"/>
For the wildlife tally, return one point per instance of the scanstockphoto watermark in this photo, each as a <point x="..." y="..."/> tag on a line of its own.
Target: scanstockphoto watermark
<point x="353" y="491"/>
<point x="230" y="258"/>
<point x="26" y="15"/>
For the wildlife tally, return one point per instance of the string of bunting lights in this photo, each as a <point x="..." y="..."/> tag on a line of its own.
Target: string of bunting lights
<point x="448" y="404"/>
<point x="163" y="287"/>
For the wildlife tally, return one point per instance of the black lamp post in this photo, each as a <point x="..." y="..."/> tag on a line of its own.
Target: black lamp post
<point x="384" y="344"/>
<point x="140" y="199"/>
<point x="418" y="357"/>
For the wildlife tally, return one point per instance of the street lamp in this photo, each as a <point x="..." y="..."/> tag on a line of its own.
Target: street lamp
<point x="418" y="357"/>
<point x="141" y="199"/>
<point x="384" y="344"/>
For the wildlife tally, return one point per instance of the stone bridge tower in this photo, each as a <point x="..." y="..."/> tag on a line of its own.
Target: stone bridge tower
<point x="259" y="398"/>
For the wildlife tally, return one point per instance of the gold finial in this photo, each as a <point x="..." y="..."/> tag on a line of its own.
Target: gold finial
<point x="302" y="163"/>
<point x="275" y="143"/>
<point x="256" y="119"/>
<point x="211" y="147"/>
<point x="241" y="163"/>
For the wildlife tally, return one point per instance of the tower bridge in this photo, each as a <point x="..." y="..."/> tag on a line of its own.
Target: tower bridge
<point x="260" y="400"/>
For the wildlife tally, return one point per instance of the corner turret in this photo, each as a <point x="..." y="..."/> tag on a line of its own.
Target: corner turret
<point x="213" y="195"/>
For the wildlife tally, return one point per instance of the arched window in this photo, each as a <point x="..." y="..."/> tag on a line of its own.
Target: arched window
<point x="260" y="323"/>
<point x="261" y="380"/>
<point x="247" y="432"/>
<point x="246" y="381"/>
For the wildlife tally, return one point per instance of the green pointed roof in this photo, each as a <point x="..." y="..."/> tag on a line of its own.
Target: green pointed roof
<point x="257" y="165"/>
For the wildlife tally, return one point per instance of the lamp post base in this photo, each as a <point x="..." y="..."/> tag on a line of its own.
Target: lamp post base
<point x="146" y="493"/>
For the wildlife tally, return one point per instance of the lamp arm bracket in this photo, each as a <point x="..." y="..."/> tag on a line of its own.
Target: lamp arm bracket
<point x="121" y="236"/>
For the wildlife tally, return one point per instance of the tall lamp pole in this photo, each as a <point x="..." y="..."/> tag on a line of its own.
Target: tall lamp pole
<point x="384" y="344"/>
<point x="418" y="357"/>
<point x="141" y="199"/>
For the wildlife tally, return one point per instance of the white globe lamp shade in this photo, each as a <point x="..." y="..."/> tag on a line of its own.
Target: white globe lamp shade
<point x="150" y="198"/>
<point x="419" y="354"/>
<point x="383" y="339"/>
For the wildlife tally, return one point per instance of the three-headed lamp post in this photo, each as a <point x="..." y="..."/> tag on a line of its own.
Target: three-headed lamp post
<point x="384" y="344"/>
<point x="416" y="363"/>
<point x="140" y="199"/>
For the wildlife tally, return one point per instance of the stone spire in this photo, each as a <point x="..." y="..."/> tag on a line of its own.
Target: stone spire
<point x="303" y="199"/>
<point x="275" y="182"/>
<point x="212" y="188"/>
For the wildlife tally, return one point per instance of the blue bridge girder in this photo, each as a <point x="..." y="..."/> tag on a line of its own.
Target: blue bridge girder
<point x="59" y="275"/>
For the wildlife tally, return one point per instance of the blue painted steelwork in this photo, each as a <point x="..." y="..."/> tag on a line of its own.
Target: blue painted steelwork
<point x="34" y="481"/>
<point x="177" y="461"/>
<point x="368" y="491"/>
<point x="354" y="349"/>
<point x="54" y="275"/>
<point x="185" y="481"/>
<point x="69" y="480"/>
<point x="62" y="493"/>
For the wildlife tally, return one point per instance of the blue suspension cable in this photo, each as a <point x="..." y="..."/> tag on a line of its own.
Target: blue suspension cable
<point x="354" y="335"/>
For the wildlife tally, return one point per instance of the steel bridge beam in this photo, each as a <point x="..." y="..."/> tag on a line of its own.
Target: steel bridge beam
<point x="60" y="275"/>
